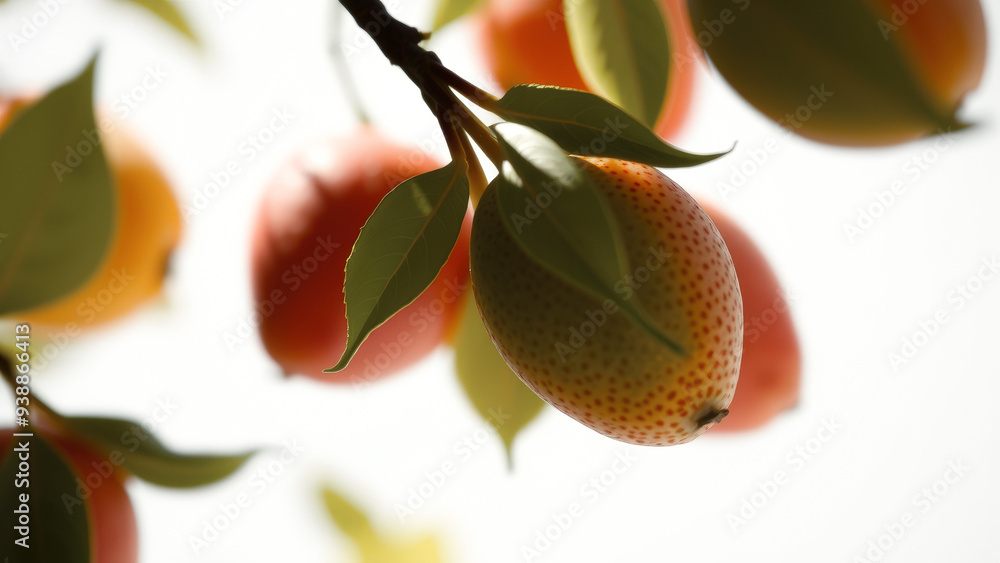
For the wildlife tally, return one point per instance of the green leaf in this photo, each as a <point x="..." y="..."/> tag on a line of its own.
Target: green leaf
<point x="146" y="458"/>
<point x="588" y="125"/>
<point x="494" y="390"/>
<point x="401" y="249"/>
<point x="58" y="197"/>
<point x="823" y="69"/>
<point x="58" y="532"/>
<point x="168" y="14"/>
<point x="450" y="10"/>
<point x="349" y="518"/>
<point x="559" y="218"/>
<point x="622" y="50"/>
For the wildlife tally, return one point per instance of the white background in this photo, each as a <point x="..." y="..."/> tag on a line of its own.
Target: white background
<point x="854" y="302"/>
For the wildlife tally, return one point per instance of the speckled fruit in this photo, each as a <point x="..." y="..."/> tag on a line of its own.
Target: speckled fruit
<point x="589" y="360"/>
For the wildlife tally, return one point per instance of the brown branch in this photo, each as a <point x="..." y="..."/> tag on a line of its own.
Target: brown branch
<point x="400" y="43"/>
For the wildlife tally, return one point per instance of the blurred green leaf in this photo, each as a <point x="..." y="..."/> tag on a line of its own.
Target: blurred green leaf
<point x="556" y="214"/>
<point x="622" y="50"/>
<point x="401" y="249"/>
<point x="349" y="518"/>
<point x="168" y="13"/>
<point x="494" y="390"/>
<point x="374" y="547"/>
<point x="588" y="125"/>
<point x="58" y="211"/>
<point x="146" y="458"/>
<point x="448" y="11"/>
<point x="57" y="531"/>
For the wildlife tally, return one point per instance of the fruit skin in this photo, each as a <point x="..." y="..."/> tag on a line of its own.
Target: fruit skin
<point x="593" y="363"/>
<point x="525" y="42"/>
<point x="771" y="368"/>
<point x="774" y="55"/>
<point x="114" y="534"/>
<point x="147" y="231"/>
<point x="309" y="218"/>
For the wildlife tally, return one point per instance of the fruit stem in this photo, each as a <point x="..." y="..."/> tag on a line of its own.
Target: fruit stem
<point x="400" y="43"/>
<point x="477" y="178"/>
<point x="712" y="416"/>
<point x="451" y="136"/>
<point x="468" y="90"/>
<point x="479" y="133"/>
<point x="397" y="41"/>
<point x="348" y="85"/>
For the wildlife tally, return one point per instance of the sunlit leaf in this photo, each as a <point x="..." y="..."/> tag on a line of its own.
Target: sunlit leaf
<point x="401" y="249"/>
<point x="495" y="391"/>
<point x="622" y="50"/>
<point x="559" y="218"/>
<point x="588" y="125"/>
